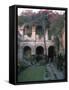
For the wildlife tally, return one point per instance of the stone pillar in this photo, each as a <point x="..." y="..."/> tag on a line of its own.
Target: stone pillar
<point x="33" y="50"/>
<point x="47" y="50"/>
<point x="52" y="37"/>
<point x="46" y="35"/>
<point x="20" y="54"/>
<point x="44" y="51"/>
<point x="33" y="32"/>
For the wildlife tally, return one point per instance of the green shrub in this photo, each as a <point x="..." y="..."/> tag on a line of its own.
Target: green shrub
<point x="21" y="66"/>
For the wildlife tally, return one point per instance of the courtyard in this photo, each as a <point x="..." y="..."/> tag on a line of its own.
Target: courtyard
<point x="40" y="73"/>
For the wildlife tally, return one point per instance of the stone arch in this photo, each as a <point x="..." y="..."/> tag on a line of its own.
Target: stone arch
<point x="39" y="50"/>
<point x="31" y="45"/>
<point x="51" y="51"/>
<point x="27" y="51"/>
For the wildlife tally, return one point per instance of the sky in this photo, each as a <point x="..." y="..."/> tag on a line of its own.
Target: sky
<point x="36" y="10"/>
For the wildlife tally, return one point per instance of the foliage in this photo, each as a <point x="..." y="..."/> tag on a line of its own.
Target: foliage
<point x="23" y="19"/>
<point x="61" y="62"/>
<point x="38" y="19"/>
<point x="57" y="26"/>
<point x="21" y="66"/>
<point x="45" y="21"/>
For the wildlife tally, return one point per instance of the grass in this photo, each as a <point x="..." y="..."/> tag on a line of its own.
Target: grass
<point x="34" y="73"/>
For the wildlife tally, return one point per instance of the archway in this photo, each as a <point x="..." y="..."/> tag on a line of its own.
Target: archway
<point x="27" y="51"/>
<point x="39" y="50"/>
<point x="39" y="53"/>
<point x="51" y="52"/>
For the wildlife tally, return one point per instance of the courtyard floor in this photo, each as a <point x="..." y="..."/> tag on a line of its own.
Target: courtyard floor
<point x="39" y="73"/>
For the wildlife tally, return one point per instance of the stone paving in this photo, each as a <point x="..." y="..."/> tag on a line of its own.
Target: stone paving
<point x="54" y="74"/>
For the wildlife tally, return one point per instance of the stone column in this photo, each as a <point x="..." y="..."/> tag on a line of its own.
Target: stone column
<point x="20" y="54"/>
<point x="52" y="37"/>
<point x="33" y="32"/>
<point x="33" y="50"/>
<point x="46" y="35"/>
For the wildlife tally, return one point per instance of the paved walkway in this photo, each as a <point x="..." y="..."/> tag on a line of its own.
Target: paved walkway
<point x="58" y="74"/>
<point x="54" y="73"/>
